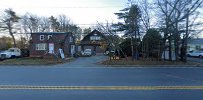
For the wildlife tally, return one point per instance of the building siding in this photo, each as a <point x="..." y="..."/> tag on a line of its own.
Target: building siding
<point x="94" y="45"/>
<point x="59" y="41"/>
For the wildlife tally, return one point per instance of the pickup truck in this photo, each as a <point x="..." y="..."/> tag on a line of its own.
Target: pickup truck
<point x="10" y="53"/>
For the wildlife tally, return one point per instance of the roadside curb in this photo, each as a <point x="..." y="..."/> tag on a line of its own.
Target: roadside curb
<point x="110" y="88"/>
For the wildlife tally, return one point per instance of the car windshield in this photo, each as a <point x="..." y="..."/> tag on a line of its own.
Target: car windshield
<point x="11" y="50"/>
<point x="87" y="50"/>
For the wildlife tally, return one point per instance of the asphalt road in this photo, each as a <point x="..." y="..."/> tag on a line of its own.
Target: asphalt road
<point x="91" y="81"/>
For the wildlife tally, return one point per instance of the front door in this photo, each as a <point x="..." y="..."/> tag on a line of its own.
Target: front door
<point x="51" y="48"/>
<point x="72" y="50"/>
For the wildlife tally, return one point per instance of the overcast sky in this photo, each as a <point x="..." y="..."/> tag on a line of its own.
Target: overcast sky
<point x="80" y="11"/>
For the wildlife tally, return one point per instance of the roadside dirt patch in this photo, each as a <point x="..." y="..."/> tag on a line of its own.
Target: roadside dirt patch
<point x="145" y="62"/>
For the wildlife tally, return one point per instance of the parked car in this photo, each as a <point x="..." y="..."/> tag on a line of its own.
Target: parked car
<point x="195" y="54"/>
<point x="10" y="53"/>
<point x="87" y="52"/>
<point x="109" y="52"/>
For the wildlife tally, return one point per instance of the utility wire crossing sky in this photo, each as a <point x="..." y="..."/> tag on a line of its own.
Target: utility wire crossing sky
<point x="82" y="12"/>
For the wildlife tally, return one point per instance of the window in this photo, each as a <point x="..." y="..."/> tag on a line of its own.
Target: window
<point x="49" y="36"/>
<point x="41" y="46"/>
<point x="11" y="50"/>
<point x="98" y="38"/>
<point x="95" y="38"/>
<point x="41" y="37"/>
<point x="71" y="39"/>
<point x="91" y="38"/>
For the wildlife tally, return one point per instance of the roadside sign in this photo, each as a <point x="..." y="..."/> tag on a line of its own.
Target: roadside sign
<point x="61" y="53"/>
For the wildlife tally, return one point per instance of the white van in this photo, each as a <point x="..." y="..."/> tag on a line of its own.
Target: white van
<point x="11" y="53"/>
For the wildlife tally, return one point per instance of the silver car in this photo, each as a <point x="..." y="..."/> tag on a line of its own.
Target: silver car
<point x="195" y="54"/>
<point x="87" y="52"/>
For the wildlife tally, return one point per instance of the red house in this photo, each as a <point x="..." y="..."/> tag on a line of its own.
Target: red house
<point x="43" y="43"/>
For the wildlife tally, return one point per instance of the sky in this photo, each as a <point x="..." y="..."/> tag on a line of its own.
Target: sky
<point x="84" y="13"/>
<point x="79" y="11"/>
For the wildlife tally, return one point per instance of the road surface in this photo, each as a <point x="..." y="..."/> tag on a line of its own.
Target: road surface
<point x="84" y="79"/>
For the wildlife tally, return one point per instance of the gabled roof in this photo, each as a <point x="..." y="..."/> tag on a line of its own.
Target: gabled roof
<point x="56" y="40"/>
<point x="51" y="33"/>
<point x="60" y="40"/>
<point x="196" y="41"/>
<point x="93" y="32"/>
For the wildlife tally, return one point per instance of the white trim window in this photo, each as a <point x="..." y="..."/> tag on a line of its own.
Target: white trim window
<point x="41" y="37"/>
<point x="95" y="38"/>
<point x="41" y="46"/>
<point x="49" y="36"/>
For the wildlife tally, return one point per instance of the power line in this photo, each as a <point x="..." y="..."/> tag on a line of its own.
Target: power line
<point x="95" y="24"/>
<point x="75" y="7"/>
<point x="91" y="7"/>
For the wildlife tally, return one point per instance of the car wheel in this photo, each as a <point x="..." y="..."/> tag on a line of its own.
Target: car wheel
<point x="200" y="56"/>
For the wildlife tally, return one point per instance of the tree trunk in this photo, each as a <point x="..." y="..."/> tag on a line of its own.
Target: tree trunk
<point x="170" y="48"/>
<point x="11" y="33"/>
<point x="177" y="39"/>
<point x="14" y="41"/>
<point x="132" y="48"/>
<point x="176" y="49"/>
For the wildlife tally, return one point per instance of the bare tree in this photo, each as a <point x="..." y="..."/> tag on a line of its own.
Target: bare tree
<point x="8" y="23"/>
<point x="64" y="22"/>
<point x="44" y="24"/>
<point x="24" y="25"/>
<point x="112" y="37"/>
<point x="54" y="23"/>
<point x="174" y="13"/>
<point x="146" y="16"/>
<point x="30" y="23"/>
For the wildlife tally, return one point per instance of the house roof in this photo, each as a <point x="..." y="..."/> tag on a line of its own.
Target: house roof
<point x="51" y="33"/>
<point x="196" y="41"/>
<point x="93" y="32"/>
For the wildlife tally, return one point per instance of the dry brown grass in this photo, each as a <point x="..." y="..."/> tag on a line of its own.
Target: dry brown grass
<point x="149" y="61"/>
<point x="32" y="61"/>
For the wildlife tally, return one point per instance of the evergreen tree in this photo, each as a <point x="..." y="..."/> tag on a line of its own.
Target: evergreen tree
<point x="8" y="22"/>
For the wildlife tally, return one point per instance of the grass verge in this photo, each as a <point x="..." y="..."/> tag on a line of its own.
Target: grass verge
<point x="147" y="62"/>
<point x="33" y="61"/>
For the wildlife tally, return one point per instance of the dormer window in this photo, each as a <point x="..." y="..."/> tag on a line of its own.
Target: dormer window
<point x="41" y="37"/>
<point x="49" y="36"/>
